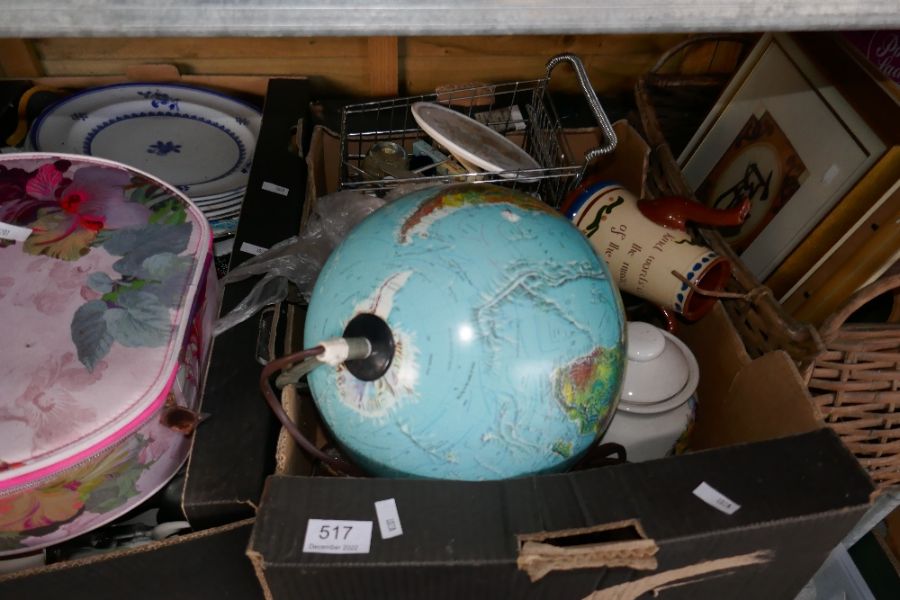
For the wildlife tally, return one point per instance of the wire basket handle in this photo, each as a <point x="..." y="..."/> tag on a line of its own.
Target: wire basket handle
<point x="599" y="114"/>
<point x="833" y="323"/>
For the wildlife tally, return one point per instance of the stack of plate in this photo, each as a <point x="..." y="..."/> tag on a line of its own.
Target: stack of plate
<point x="197" y="140"/>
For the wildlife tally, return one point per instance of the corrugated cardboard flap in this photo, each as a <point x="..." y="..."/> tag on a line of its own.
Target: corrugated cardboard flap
<point x="540" y="554"/>
<point x="743" y="399"/>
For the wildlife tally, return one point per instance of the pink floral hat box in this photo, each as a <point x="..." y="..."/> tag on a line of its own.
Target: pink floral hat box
<point x="107" y="297"/>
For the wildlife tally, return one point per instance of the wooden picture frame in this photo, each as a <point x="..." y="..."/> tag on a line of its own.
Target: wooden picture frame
<point x="789" y="281"/>
<point x="784" y="135"/>
<point x="863" y="254"/>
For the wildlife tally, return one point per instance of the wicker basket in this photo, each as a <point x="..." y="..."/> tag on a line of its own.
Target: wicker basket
<point x="670" y="106"/>
<point x="855" y="384"/>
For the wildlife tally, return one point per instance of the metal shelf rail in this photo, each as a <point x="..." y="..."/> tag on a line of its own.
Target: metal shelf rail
<point x="87" y="18"/>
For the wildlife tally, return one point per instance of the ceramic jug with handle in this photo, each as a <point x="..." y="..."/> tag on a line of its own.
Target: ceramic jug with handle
<point x="647" y="247"/>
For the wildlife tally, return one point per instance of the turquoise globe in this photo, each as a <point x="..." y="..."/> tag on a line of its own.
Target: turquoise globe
<point x="508" y="337"/>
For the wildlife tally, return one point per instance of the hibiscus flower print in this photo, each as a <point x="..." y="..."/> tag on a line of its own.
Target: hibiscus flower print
<point x="39" y="515"/>
<point x="23" y="193"/>
<point x="56" y="282"/>
<point x="48" y="405"/>
<point x="93" y="201"/>
<point x="158" y="442"/>
<point x="39" y="508"/>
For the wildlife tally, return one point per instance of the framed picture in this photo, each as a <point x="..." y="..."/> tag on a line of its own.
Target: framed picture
<point x="782" y="135"/>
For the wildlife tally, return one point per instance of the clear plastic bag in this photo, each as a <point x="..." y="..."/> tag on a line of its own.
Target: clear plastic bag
<point x="298" y="260"/>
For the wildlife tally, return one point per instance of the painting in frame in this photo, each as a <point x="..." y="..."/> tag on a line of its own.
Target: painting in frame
<point x="783" y="135"/>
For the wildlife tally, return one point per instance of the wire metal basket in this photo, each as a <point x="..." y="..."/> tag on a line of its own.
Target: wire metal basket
<point x="522" y="111"/>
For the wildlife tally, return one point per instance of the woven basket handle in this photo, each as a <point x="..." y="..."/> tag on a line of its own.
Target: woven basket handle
<point x="700" y="39"/>
<point x="831" y="325"/>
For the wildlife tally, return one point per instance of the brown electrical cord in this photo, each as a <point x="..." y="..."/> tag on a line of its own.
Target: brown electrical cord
<point x="268" y="393"/>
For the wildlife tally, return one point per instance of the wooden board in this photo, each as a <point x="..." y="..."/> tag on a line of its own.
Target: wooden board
<point x="340" y="65"/>
<point x="613" y="62"/>
<point x="382" y="66"/>
<point x="377" y="66"/>
<point x="18" y="59"/>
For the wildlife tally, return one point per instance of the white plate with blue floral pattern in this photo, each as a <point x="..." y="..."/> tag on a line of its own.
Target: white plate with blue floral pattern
<point x="197" y="140"/>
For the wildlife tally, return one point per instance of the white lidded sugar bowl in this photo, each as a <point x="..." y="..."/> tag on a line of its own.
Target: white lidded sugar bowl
<point x="658" y="403"/>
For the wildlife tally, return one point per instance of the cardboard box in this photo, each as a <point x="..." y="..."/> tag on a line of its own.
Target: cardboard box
<point x="208" y="564"/>
<point x="788" y="492"/>
<point x="613" y="532"/>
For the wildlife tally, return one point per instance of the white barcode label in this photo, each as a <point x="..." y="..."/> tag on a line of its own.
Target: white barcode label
<point x="388" y="518"/>
<point x="252" y="249"/>
<point x="716" y="499"/>
<point x="330" y="536"/>
<point x="13" y="232"/>
<point x="275" y="188"/>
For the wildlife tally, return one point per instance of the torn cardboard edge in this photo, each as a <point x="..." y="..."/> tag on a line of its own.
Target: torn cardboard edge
<point x="539" y="560"/>
<point x="258" y="562"/>
<point x="539" y="556"/>
<point x="770" y="384"/>
<point x="542" y="536"/>
<point x="289" y="458"/>
<point x="284" y="448"/>
<point x="633" y="590"/>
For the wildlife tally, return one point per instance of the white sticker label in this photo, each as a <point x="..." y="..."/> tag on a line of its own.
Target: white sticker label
<point x="714" y="498"/>
<point x="252" y="249"/>
<point x="830" y="174"/>
<point x="13" y="232"/>
<point x="329" y="536"/>
<point x="275" y="188"/>
<point x="388" y="518"/>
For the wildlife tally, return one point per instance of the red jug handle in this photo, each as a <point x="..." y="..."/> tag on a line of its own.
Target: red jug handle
<point x="674" y="212"/>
